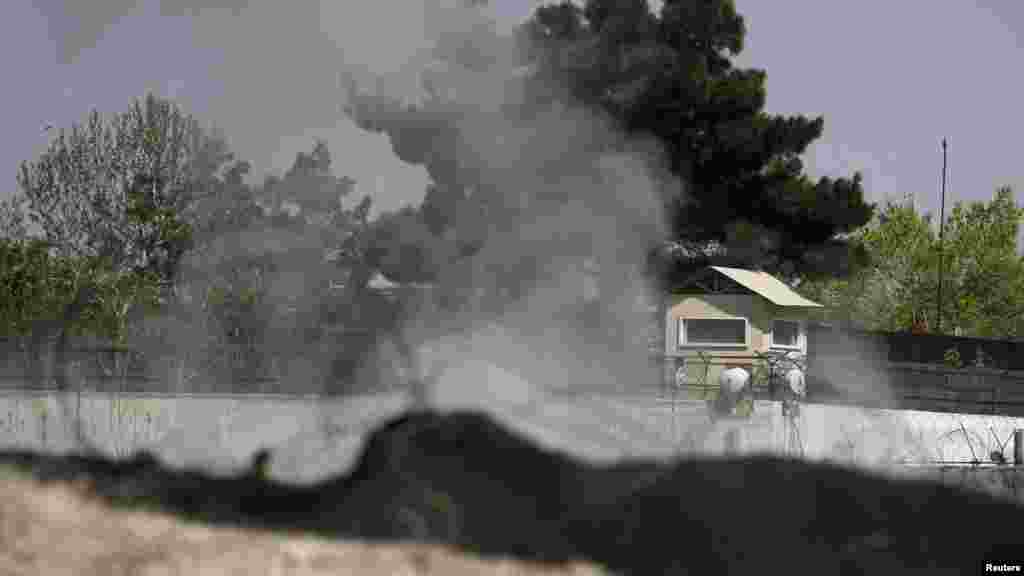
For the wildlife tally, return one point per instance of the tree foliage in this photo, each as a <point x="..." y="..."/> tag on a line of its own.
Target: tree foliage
<point x="311" y="184"/>
<point x="29" y="284"/>
<point x="670" y="75"/>
<point x="983" y="280"/>
<point x="120" y="201"/>
<point x="115" y="189"/>
<point x="262" y="272"/>
<point x="148" y="230"/>
<point x="39" y="286"/>
<point x="222" y="204"/>
<point x="13" y="225"/>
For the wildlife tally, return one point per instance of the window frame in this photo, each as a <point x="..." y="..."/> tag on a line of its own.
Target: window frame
<point x="801" y="335"/>
<point x="682" y="341"/>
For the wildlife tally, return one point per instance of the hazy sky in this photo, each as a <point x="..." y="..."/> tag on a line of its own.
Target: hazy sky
<point x="890" y="78"/>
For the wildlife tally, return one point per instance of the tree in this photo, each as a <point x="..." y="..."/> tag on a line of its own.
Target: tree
<point x="46" y="296"/>
<point x="894" y="290"/>
<point x="116" y="189"/>
<point x="670" y="76"/>
<point x="223" y="204"/>
<point x="310" y="185"/>
<point x="148" y="197"/>
<point x="125" y="198"/>
<point x="26" y="271"/>
<point x="983" y="282"/>
<point x="12" y="218"/>
<point x="259" y="266"/>
<point x="667" y="77"/>
<point x="985" y="274"/>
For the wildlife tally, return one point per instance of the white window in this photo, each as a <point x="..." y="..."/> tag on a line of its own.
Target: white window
<point x="787" y="334"/>
<point x="713" y="332"/>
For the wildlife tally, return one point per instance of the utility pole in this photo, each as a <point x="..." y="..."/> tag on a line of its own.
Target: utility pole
<point x="942" y="227"/>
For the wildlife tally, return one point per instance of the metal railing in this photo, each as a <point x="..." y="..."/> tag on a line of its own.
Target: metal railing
<point x="767" y="371"/>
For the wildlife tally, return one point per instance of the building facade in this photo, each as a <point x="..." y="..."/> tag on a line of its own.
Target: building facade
<point x="723" y="317"/>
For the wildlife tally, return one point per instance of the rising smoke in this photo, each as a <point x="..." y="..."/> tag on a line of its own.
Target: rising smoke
<point x="855" y="370"/>
<point x="567" y="200"/>
<point x="556" y="299"/>
<point x="566" y="193"/>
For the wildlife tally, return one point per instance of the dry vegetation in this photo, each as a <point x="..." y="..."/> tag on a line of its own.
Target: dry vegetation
<point x="58" y="528"/>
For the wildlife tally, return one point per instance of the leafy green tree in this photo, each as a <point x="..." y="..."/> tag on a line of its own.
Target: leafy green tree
<point x="116" y="189"/>
<point x="887" y="294"/>
<point x="48" y="296"/>
<point x="146" y="200"/>
<point x="983" y="287"/>
<point x="125" y="198"/>
<point x="669" y="75"/>
<point x="131" y="199"/>
<point x="983" y="280"/>
<point x="26" y="271"/>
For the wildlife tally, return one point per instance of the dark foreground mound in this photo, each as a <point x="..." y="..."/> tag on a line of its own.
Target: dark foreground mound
<point x="463" y="479"/>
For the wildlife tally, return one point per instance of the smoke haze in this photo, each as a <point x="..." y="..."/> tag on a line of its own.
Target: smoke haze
<point x="580" y="202"/>
<point x="579" y="210"/>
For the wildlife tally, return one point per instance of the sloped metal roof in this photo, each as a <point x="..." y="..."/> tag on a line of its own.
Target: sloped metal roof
<point x="767" y="286"/>
<point x="380" y="282"/>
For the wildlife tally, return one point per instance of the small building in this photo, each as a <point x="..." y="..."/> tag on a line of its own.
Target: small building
<point x="731" y="317"/>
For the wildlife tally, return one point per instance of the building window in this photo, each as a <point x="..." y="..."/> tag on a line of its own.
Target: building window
<point x="786" y="334"/>
<point x="713" y="332"/>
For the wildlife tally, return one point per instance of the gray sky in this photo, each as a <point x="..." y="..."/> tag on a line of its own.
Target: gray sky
<point x="891" y="79"/>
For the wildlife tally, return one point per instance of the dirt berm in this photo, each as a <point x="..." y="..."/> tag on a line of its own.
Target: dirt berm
<point x="459" y="487"/>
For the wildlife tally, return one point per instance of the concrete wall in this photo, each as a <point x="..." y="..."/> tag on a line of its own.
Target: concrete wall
<point x="316" y="437"/>
<point x="313" y="437"/>
<point x="875" y="437"/>
<point x="864" y="437"/>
